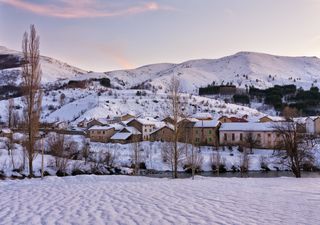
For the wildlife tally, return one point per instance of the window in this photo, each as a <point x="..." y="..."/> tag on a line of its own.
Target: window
<point x="233" y="136"/>
<point x="269" y="135"/>
<point x="150" y="130"/>
<point x="103" y="132"/>
<point x="209" y="139"/>
<point x="210" y="131"/>
<point x="225" y="137"/>
<point x="259" y="136"/>
<point x="197" y="140"/>
<point x="145" y="130"/>
<point x="241" y="136"/>
<point x="196" y="131"/>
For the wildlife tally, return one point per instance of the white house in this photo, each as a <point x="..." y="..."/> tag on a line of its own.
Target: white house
<point x="313" y="125"/>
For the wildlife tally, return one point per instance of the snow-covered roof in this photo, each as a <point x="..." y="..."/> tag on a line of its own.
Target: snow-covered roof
<point x="96" y="127"/>
<point x="170" y="126"/>
<point x="191" y="119"/>
<point x="103" y="120"/>
<point x="131" y="130"/>
<point x="277" y="118"/>
<point x="117" y="126"/>
<point x="6" y="130"/>
<point x="312" y="117"/>
<point x="300" y="119"/>
<point x="146" y="121"/>
<point x="268" y="126"/>
<point x="121" y="136"/>
<point x="202" y="116"/>
<point x="207" y="123"/>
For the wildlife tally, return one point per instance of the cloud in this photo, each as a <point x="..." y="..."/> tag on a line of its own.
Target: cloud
<point x="72" y="9"/>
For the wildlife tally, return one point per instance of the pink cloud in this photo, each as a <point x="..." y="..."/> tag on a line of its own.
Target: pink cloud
<point x="84" y="8"/>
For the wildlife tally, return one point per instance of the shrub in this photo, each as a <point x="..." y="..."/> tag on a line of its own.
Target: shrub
<point x="264" y="164"/>
<point x="105" y="82"/>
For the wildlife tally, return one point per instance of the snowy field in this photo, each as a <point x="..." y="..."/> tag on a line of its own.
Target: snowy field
<point x="139" y="200"/>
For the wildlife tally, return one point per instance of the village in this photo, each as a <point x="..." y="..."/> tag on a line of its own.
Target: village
<point x="200" y="129"/>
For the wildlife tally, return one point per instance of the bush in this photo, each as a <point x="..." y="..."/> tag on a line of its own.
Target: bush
<point x="242" y="99"/>
<point x="77" y="84"/>
<point x="235" y="168"/>
<point x="51" y="107"/>
<point x="309" y="167"/>
<point x="105" y="82"/>
<point x="188" y="168"/>
<point x="264" y="164"/>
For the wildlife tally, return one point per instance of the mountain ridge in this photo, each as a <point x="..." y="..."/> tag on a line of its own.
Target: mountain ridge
<point x="242" y="69"/>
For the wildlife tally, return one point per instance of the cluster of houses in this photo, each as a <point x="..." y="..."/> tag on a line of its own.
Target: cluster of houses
<point x="200" y="129"/>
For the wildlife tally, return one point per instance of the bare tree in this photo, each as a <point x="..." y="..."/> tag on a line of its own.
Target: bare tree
<point x="62" y="99"/>
<point x="176" y="106"/>
<point x="250" y="142"/>
<point x="63" y="151"/>
<point x="194" y="161"/>
<point x="16" y="120"/>
<point x="169" y="155"/>
<point x="31" y="77"/>
<point x="244" y="162"/>
<point x="293" y="147"/>
<point x="85" y="150"/>
<point x="10" y="112"/>
<point x="217" y="162"/>
<point x="136" y="156"/>
<point x="10" y="147"/>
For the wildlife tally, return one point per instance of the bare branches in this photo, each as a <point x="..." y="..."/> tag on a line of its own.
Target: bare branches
<point x="31" y="77"/>
<point x="176" y="113"/>
<point x="294" y="149"/>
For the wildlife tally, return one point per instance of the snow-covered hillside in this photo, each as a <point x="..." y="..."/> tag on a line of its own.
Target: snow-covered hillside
<point x="89" y="104"/>
<point x="52" y="69"/>
<point x="243" y="68"/>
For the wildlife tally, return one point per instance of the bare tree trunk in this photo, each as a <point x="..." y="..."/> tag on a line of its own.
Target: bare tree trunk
<point x="176" y="114"/>
<point x="42" y="158"/>
<point x="31" y="77"/>
<point x="10" y="112"/>
<point x="136" y="156"/>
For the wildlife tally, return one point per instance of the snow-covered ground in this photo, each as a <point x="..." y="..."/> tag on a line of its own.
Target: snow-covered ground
<point x="139" y="200"/>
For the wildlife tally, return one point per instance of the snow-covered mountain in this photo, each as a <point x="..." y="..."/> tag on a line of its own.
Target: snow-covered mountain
<point x="52" y="69"/>
<point x="242" y="69"/>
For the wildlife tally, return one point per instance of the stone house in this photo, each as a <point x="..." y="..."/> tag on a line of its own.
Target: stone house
<point x="205" y="132"/>
<point x="83" y="123"/>
<point x="101" y="133"/>
<point x="127" y="135"/>
<point x="144" y="126"/>
<point x="97" y="122"/>
<point x="164" y="133"/>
